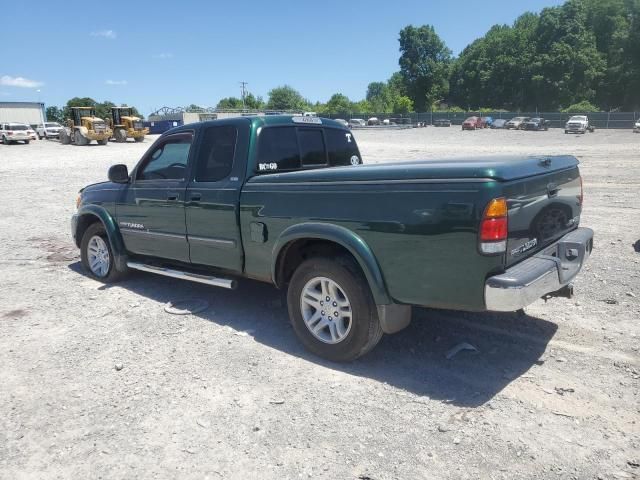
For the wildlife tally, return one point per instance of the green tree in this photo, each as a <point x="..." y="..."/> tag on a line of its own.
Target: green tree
<point x="54" y="114"/>
<point x="254" y="103"/>
<point x="402" y="104"/>
<point x="338" y="104"/>
<point x="581" y="107"/>
<point x="424" y="65"/>
<point x="286" y="98"/>
<point x="380" y="97"/>
<point x="230" y="102"/>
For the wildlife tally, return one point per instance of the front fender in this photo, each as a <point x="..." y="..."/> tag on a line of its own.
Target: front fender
<point x="85" y="213"/>
<point x="347" y="239"/>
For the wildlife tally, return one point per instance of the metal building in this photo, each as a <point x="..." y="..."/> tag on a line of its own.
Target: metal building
<point x="31" y="113"/>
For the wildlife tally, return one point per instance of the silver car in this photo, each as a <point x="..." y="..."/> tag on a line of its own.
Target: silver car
<point x="49" y="130"/>
<point x="15" y="132"/>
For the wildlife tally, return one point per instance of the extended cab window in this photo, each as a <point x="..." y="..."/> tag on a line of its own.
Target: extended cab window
<point x="168" y="161"/>
<point x="215" y="159"/>
<point x="278" y="149"/>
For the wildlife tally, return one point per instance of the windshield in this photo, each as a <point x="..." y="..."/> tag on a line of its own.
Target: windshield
<point x="49" y="125"/>
<point x="18" y="127"/>
<point x="471" y="119"/>
<point x="578" y="118"/>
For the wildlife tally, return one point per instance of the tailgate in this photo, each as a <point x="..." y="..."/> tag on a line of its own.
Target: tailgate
<point x="542" y="208"/>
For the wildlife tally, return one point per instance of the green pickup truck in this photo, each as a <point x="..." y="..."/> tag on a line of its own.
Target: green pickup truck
<point x="285" y="200"/>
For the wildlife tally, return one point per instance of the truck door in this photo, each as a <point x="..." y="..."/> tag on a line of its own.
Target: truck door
<point x="151" y="214"/>
<point x="213" y="196"/>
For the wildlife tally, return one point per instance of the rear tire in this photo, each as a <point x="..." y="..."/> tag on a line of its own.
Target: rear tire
<point x="347" y="326"/>
<point x="26" y="142"/>
<point x="103" y="142"/>
<point x="97" y="257"/>
<point x="139" y="139"/>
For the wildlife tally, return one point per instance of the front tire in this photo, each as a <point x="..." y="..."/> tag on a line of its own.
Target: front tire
<point x="80" y="139"/>
<point x="139" y="139"/>
<point x="345" y="326"/>
<point x="64" y="137"/>
<point x="96" y="255"/>
<point x="120" y="135"/>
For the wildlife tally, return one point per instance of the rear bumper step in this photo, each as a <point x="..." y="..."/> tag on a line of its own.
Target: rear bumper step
<point x="193" y="277"/>
<point x="546" y="274"/>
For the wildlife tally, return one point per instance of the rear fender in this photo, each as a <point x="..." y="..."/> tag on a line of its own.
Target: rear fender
<point x="113" y="232"/>
<point x="347" y="239"/>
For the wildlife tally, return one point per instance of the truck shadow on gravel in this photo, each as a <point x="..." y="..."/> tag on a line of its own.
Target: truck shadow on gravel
<point x="414" y="360"/>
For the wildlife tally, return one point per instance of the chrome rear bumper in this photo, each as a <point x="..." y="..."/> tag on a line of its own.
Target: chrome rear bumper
<point x="544" y="274"/>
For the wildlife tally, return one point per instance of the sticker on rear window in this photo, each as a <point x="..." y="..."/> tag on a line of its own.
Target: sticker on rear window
<point x="267" y="166"/>
<point x="348" y="135"/>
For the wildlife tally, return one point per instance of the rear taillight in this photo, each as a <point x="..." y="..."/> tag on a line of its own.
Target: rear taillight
<point x="9" y="133"/>
<point x="494" y="227"/>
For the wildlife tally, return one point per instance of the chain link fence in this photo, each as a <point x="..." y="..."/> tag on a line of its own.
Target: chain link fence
<point x="621" y="120"/>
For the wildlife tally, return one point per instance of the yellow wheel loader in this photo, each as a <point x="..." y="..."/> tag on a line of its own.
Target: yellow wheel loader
<point x="83" y="127"/>
<point x="125" y="125"/>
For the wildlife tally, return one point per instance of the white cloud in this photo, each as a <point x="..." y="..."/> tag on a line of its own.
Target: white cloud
<point x="9" y="81"/>
<point x="105" y="33"/>
<point x="116" y="82"/>
<point x="163" y="55"/>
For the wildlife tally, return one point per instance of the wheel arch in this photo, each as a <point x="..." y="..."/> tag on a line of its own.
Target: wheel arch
<point x="311" y="237"/>
<point x="88" y="215"/>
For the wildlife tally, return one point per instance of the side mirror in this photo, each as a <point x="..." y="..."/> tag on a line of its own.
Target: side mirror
<point x="119" y="173"/>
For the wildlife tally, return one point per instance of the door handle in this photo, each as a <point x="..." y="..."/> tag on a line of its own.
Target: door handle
<point x="196" y="197"/>
<point x="172" y="196"/>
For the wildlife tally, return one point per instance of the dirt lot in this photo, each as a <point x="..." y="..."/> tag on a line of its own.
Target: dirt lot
<point x="100" y="382"/>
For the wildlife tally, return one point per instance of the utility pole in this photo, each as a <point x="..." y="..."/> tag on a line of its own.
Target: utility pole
<point x="243" y="90"/>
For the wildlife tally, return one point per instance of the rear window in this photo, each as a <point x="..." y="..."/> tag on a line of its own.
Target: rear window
<point x="312" y="150"/>
<point x="293" y="148"/>
<point x="18" y="127"/>
<point x="342" y="147"/>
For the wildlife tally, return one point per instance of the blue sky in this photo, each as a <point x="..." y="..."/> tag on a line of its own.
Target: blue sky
<point x="156" y="53"/>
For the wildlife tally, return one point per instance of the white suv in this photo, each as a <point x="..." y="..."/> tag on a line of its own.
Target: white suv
<point x="577" y="124"/>
<point x="49" y="130"/>
<point x="16" y="132"/>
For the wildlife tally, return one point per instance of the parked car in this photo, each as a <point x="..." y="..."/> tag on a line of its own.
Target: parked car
<point x="578" y="124"/>
<point x="357" y="122"/>
<point x="499" y="123"/>
<point x="536" y="123"/>
<point x="15" y="132"/>
<point x="636" y="127"/>
<point x="487" y="121"/>
<point x="516" y="123"/>
<point x="373" y="121"/>
<point x="49" y="130"/>
<point x="472" y="123"/>
<point x="355" y="246"/>
<point x="342" y="122"/>
<point x="442" y="122"/>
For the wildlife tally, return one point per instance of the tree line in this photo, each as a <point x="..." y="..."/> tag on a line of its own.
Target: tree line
<point x="583" y="55"/>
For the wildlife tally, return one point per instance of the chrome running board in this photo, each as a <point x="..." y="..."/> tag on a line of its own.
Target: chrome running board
<point x="193" y="277"/>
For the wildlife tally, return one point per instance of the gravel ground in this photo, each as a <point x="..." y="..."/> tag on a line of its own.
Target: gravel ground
<point x="100" y="382"/>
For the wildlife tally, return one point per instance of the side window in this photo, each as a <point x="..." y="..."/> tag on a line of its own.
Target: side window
<point x="168" y="161"/>
<point x="216" y="153"/>
<point x="312" y="151"/>
<point x="278" y="149"/>
<point x="342" y="147"/>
